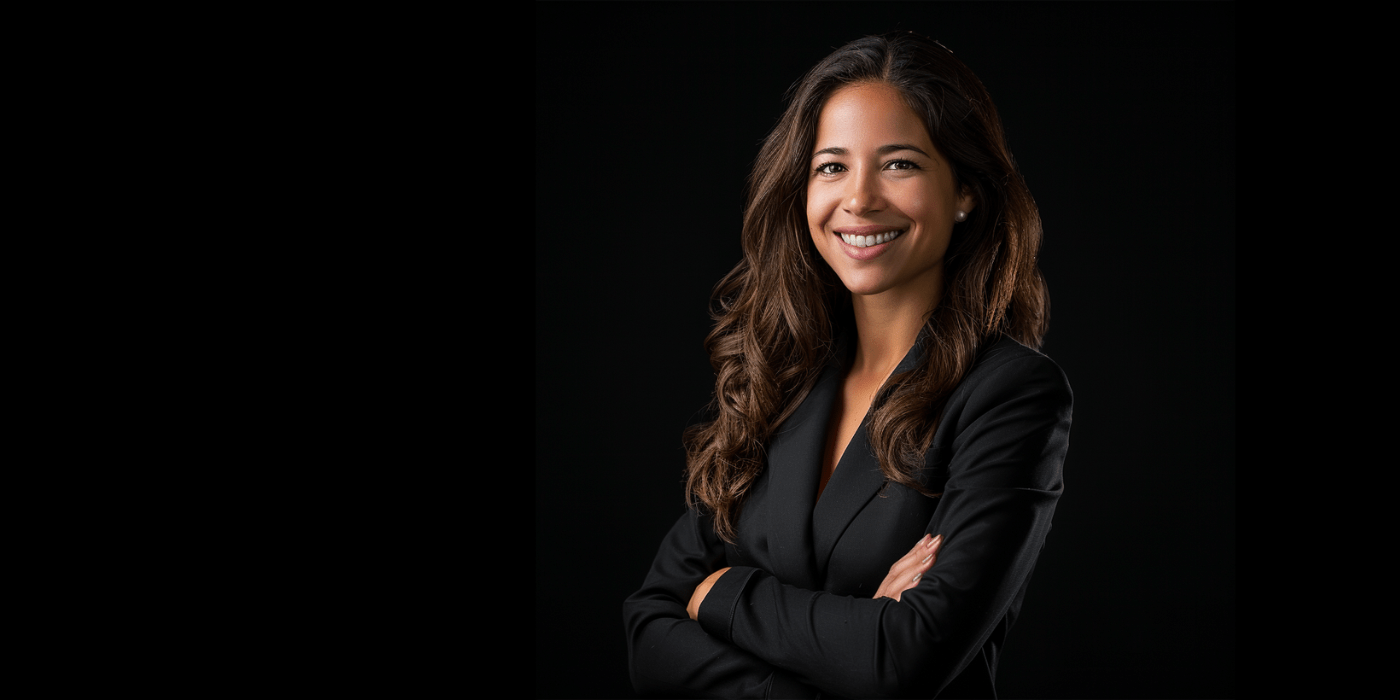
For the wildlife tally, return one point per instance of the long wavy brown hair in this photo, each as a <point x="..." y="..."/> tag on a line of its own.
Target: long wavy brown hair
<point x="779" y="312"/>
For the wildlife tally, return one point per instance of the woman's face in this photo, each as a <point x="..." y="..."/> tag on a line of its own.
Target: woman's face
<point x="875" y="172"/>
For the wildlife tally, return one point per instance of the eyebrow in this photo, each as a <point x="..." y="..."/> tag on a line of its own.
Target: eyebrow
<point x="838" y="151"/>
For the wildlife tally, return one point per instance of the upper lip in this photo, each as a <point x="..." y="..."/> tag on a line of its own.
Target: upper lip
<point x="866" y="230"/>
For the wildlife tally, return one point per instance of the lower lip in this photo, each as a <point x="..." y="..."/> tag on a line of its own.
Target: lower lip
<point x="868" y="252"/>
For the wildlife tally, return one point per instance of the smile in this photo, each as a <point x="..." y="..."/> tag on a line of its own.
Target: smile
<point x="867" y="241"/>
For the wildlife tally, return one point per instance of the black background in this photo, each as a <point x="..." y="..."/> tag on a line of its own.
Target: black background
<point x="1121" y="117"/>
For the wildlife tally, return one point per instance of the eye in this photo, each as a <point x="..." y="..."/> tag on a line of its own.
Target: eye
<point x="829" y="168"/>
<point x="902" y="165"/>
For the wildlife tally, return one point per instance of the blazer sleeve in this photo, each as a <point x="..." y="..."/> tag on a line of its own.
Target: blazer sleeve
<point x="1004" y="480"/>
<point x="669" y="655"/>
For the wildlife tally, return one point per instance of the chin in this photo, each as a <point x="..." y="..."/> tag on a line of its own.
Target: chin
<point x="863" y="286"/>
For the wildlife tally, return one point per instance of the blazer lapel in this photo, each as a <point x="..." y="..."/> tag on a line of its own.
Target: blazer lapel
<point x="857" y="478"/>
<point x="794" y="470"/>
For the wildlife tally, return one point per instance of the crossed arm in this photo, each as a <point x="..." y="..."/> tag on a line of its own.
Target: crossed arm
<point x="687" y="660"/>
<point x="904" y="574"/>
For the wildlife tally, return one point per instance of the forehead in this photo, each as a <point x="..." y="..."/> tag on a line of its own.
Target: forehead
<point x="868" y="114"/>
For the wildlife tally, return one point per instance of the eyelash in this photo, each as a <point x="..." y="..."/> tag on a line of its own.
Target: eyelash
<point x="912" y="166"/>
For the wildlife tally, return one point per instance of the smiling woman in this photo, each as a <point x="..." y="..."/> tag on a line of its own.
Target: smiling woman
<point x="878" y="385"/>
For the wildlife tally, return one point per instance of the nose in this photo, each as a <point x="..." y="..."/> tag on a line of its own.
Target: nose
<point x="863" y="194"/>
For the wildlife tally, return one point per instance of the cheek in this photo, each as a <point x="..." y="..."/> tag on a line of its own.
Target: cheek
<point x="819" y="209"/>
<point x="818" y="217"/>
<point x="920" y="207"/>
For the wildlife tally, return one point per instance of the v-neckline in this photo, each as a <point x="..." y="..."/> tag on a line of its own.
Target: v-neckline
<point x="846" y="358"/>
<point x="835" y="420"/>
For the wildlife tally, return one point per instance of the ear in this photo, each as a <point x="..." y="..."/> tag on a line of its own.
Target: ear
<point x="967" y="201"/>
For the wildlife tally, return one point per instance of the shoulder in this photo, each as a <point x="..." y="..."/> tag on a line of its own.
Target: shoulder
<point x="1007" y="423"/>
<point x="1006" y="370"/>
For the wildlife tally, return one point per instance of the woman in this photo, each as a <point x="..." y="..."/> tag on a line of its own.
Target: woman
<point x="877" y="389"/>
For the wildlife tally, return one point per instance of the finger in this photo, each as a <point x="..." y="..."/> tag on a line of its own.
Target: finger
<point x="919" y="555"/>
<point x="931" y="550"/>
<point x="919" y="559"/>
<point x="916" y="553"/>
<point x="911" y="573"/>
<point x="904" y="578"/>
<point x="896" y="581"/>
<point x="919" y="546"/>
<point x="896" y="587"/>
<point x="906" y="572"/>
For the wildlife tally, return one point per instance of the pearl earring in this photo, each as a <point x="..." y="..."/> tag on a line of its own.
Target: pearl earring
<point x="961" y="215"/>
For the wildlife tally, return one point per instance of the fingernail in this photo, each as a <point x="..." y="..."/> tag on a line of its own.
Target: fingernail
<point x="925" y="561"/>
<point x="935" y="540"/>
<point x="918" y="576"/>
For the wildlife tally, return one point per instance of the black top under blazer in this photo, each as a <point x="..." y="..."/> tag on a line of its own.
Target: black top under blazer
<point x="794" y="617"/>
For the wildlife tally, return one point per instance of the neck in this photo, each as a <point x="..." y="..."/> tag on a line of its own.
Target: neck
<point x="887" y="324"/>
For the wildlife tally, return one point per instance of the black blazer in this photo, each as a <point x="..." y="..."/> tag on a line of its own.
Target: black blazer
<point x="794" y="617"/>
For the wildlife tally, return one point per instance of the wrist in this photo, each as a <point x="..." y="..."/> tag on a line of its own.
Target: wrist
<point x="701" y="591"/>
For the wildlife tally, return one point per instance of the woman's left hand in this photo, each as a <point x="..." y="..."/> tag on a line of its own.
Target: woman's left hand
<point x="906" y="572"/>
<point x="700" y="591"/>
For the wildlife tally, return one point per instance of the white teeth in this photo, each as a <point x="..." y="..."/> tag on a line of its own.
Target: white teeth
<point x="877" y="239"/>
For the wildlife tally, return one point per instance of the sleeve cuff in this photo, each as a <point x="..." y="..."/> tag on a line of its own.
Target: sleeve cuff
<point x="717" y="611"/>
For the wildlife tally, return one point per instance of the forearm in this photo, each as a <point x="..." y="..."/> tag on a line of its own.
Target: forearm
<point x="846" y="646"/>
<point x="669" y="654"/>
<point x="670" y="657"/>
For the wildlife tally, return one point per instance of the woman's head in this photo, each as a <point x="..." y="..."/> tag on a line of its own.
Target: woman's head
<point x="991" y="252"/>
<point x="881" y="199"/>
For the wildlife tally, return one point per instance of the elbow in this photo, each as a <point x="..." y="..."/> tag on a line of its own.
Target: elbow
<point x="632" y="624"/>
<point x="909" y="675"/>
<point x="635" y="619"/>
<point x="910" y="660"/>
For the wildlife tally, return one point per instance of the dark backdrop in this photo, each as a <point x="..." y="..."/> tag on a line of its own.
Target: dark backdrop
<point x="1121" y="116"/>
